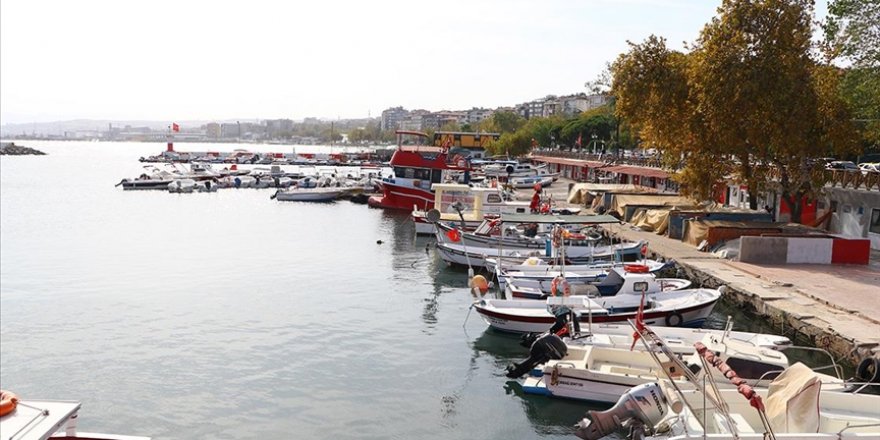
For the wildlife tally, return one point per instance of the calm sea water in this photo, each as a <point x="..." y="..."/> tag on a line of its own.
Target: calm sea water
<point x="229" y="315"/>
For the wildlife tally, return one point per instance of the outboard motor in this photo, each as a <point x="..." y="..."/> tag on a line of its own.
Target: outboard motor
<point x="544" y="349"/>
<point x="563" y="315"/>
<point x="642" y="406"/>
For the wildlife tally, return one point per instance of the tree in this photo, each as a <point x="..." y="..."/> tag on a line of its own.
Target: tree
<point x="748" y="99"/>
<point x="852" y="34"/>
<point x="507" y="122"/>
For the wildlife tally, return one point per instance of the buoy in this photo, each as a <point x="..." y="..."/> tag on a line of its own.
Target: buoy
<point x="8" y="402"/>
<point x="480" y="283"/>
<point x="379" y="242"/>
<point x="533" y="261"/>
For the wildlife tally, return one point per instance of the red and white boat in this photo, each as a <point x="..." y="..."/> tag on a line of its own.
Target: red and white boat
<point x="416" y="168"/>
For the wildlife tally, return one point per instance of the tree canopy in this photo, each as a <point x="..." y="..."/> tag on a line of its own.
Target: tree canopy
<point x="748" y="100"/>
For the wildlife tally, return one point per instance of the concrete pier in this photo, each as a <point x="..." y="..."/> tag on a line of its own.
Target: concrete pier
<point x="836" y="307"/>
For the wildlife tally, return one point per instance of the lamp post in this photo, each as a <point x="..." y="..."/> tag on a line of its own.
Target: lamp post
<point x="593" y="143"/>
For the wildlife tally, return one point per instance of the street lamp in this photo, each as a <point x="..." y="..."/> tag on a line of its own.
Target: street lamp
<point x="593" y="143"/>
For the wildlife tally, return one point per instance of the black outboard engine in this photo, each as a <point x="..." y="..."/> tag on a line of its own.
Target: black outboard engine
<point x="544" y="349"/>
<point x="563" y="315"/>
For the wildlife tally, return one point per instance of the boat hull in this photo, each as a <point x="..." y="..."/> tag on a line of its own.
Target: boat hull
<point x="692" y="316"/>
<point x="402" y="197"/>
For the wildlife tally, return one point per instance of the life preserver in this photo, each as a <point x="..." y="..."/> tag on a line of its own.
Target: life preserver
<point x="636" y="268"/>
<point x="576" y="236"/>
<point x="8" y="402"/>
<point x="869" y="370"/>
<point x="674" y="319"/>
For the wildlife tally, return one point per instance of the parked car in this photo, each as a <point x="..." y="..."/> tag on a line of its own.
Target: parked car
<point x="844" y="165"/>
<point x="869" y="167"/>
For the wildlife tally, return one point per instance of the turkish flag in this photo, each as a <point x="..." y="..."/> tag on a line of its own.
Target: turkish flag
<point x="175" y="127"/>
<point x="644" y="250"/>
<point x="454" y="235"/>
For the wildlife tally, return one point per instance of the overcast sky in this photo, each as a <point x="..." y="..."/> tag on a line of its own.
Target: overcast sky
<point x="177" y="60"/>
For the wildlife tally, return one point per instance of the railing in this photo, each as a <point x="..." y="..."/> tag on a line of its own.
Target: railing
<point x="832" y="178"/>
<point x="608" y="158"/>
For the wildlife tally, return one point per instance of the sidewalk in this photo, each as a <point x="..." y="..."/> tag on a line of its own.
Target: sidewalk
<point x="837" y="306"/>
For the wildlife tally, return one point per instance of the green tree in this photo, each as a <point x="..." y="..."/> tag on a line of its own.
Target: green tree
<point x="507" y="122"/>
<point x="748" y="99"/>
<point x="852" y="34"/>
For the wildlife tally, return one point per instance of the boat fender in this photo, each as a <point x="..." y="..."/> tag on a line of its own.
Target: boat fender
<point x="869" y="370"/>
<point x="636" y="268"/>
<point x="674" y="319"/>
<point x="555" y="284"/>
<point x="8" y="402"/>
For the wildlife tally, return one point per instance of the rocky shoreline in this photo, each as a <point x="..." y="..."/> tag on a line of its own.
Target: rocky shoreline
<point x="17" y="150"/>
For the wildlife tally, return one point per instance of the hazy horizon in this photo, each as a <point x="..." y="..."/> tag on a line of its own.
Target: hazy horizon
<point x="164" y="60"/>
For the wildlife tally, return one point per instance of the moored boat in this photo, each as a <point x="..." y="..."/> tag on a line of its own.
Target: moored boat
<point x="687" y="308"/>
<point x="43" y="419"/>
<point x="308" y="194"/>
<point x="416" y="168"/>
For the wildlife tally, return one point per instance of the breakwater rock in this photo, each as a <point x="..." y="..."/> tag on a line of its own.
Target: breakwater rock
<point x="17" y="150"/>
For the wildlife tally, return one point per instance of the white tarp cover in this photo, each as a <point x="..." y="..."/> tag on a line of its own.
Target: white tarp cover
<point x="621" y="201"/>
<point x="793" y="401"/>
<point x="580" y="192"/>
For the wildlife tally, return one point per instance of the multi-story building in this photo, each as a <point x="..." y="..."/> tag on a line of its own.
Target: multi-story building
<point x="437" y="120"/>
<point x="230" y="130"/>
<point x="391" y="118"/>
<point x="212" y="130"/>
<point x="476" y="115"/>
<point x="278" y="126"/>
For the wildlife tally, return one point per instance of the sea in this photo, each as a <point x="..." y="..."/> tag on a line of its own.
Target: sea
<point x="229" y="315"/>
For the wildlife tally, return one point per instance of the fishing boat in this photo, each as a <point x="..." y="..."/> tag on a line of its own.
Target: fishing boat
<point x="538" y="269"/>
<point x="416" y="167"/>
<point x="603" y="372"/>
<point x="308" y="194"/>
<point x="513" y="169"/>
<point x="475" y="203"/>
<point x="793" y="407"/>
<point x="531" y="181"/>
<point x="686" y="308"/>
<point x="44" y="419"/>
<point x="479" y="256"/>
<point x="630" y="279"/>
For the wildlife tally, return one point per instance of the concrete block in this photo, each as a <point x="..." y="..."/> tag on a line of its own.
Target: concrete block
<point x="763" y="250"/>
<point x="809" y="250"/>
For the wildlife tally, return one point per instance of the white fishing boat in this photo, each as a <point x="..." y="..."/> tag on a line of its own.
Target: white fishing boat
<point x="687" y="308"/>
<point x="490" y="232"/>
<point x="475" y="204"/>
<point x="538" y="266"/>
<point x="308" y="194"/>
<point x="602" y="373"/>
<point x="629" y="279"/>
<point x="794" y="407"/>
<point x="531" y="181"/>
<point x="44" y="419"/>
<point x="476" y="256"/>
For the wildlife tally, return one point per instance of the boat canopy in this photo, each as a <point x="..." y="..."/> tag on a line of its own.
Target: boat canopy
<point x="558" y="219"/>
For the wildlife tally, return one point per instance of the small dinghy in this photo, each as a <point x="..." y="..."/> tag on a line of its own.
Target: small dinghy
<point x="308" y="195"/>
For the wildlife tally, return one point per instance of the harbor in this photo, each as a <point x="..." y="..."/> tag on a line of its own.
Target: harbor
<point x="632" y="220"/>
<point x="404" y="339"/>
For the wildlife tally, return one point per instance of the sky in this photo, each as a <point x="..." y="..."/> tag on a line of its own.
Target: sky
<point x="187" y="60"/>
